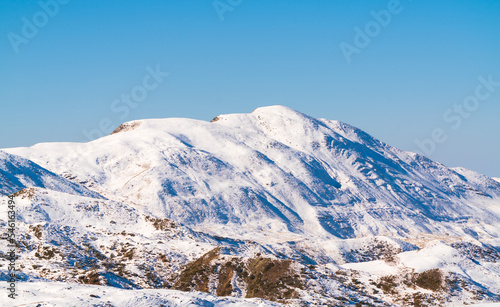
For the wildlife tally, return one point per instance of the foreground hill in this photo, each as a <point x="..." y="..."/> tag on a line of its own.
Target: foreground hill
<point x="76" y="239"/>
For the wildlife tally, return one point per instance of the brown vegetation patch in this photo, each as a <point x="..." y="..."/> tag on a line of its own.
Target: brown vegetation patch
<point x="195" y="274"/>
<point x="25" y="193"/>
<point x="45" y="252"/>
<point x="266" y="278"/>
<point x="91" y="278"/>
<point x="161" y="224"/>
<point x="37" y="231"/>
<point x="129" y="254"/>
<point x="388" y="284"/>
<point x="271" y="279"/>
<point x="431" y="280"/>
<point x="224" y="287"/>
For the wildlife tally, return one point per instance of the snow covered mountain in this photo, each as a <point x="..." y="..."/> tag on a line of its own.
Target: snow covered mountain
<point x="272" y="204"/>
<point x="276" y="170"/>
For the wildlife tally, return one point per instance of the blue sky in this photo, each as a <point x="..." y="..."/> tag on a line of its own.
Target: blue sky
<point x="424" y="60"/>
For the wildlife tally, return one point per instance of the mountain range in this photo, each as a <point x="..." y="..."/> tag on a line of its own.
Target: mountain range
<point x="274" y="204"/>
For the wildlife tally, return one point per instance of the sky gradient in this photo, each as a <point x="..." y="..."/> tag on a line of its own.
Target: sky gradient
<point x="414" y="76"/>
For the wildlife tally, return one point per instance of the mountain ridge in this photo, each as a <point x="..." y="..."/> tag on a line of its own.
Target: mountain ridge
<point x="275" y="169"/>
<point x="17" y="173"/>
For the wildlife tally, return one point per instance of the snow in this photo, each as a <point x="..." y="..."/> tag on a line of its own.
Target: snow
<point x="17" y="173"/>
<point x="274" y="182"/>
<point x="66" y="294"/>
<point x="377" y="267"/>
<point x="433" y="256"/>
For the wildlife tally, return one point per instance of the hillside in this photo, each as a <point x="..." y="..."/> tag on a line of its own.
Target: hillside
<point x="17" y="173"/>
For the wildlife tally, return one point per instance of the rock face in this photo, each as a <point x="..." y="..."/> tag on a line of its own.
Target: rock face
<point x="272" y="204"/>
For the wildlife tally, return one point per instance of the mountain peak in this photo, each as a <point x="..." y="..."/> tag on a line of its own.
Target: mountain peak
<point x="127" y="126"/>
<point x="276" y="110"/>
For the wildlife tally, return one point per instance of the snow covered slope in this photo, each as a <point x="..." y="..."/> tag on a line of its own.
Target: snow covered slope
<point x="76" y="239"/>
<point x="38" y="293"/>
<point x="17" y="173"/>
<point x="276" y="170"/>
<point x="497" y="179"/>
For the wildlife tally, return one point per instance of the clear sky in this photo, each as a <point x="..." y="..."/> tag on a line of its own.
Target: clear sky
<point x="402" y="71"/>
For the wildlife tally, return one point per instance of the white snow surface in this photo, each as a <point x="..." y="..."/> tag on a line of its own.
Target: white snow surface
<point x="68" y="295"/>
